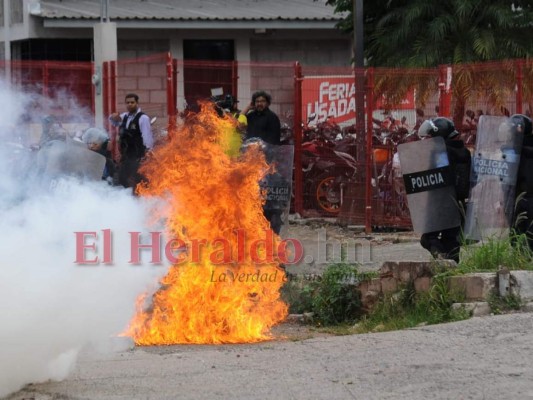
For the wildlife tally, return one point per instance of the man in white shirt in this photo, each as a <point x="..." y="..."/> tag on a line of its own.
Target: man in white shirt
<point x="135" y="139"/>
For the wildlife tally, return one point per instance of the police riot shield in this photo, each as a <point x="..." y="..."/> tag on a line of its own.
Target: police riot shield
<point x="69" y="158"/>
<point x="493" y="178"/>
<point x="277" y="186"/>
<point x="428" y="185"/>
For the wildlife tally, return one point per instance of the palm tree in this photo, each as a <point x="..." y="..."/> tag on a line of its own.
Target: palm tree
<point x="426" y="34"/>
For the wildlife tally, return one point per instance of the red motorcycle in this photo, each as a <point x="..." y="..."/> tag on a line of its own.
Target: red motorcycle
<point x="390" y="187"/>
<point x="326" y="174"/>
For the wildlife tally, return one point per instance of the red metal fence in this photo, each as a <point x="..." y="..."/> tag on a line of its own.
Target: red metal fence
<point x="345" y="123"/>
<point x="59" y="89"/>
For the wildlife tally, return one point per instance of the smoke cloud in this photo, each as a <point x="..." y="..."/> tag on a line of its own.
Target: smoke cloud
<point x="51" y="307"/>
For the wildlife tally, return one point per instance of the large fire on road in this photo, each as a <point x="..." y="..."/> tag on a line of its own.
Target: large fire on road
<point x="212" y="194"/>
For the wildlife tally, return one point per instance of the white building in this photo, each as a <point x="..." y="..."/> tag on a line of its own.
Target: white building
<point x="242" y="30"/>
<point x="245" y="31"/>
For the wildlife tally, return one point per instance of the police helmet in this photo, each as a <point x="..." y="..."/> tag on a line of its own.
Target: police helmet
<point x="226" y="102"/>
<point x="94" y="136"/>
<point x="521" y="124"/>
<point x="439" y="126"/>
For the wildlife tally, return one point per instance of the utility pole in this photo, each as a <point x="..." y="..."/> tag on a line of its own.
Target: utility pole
<point x="356" y="202"/>
<point x="105" y="50"/>
<point x="358" y="33"/>
<point x="104" y="10"/>
<point x="359" y="64"/>
<point x="364" y="149"/>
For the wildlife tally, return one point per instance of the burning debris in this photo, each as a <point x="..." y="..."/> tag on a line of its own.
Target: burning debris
<point x="211" y="194"/>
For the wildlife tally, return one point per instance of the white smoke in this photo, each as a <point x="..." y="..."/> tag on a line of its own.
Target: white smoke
<point x="51" y="307"/>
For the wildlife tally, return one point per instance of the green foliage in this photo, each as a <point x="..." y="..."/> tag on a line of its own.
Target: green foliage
<point x="298" y="294"/>
<point x="513" y="253"/>
<point x="419" y="33"/>
<point x="333" y="297"/>
<point x="336" y="299"/>
<point x="500" y="305"/>
<point x="407" y="309"/>
<point x="367" y="275"/>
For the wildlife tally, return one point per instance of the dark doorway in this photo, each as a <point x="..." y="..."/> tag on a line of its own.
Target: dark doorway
<point x="58" y="69"/>
<point x="53" y="49"/>
<point x="219" y="50"/>
<point x="208" y="64"/>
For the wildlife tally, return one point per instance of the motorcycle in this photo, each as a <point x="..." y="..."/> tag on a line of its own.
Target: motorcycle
<point x="327" y="174"/>
<point x="391" y="194"/>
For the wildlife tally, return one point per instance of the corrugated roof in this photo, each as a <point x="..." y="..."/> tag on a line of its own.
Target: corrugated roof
<point x="190" y="10"/>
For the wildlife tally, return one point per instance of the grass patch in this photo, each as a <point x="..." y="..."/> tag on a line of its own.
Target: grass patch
<point x="333" y="298"/>
<point x="298" y="294"/>
<point x="407" y="309"/>
<point x="336" y="299"/>
<point x="502" y="305"/>
<point x="489" y="256"/>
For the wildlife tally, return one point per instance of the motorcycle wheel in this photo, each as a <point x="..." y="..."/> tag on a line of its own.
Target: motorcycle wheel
<point x="326" y="195"/>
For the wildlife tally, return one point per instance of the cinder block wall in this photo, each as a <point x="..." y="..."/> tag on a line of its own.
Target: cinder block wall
<point x="145" y="77"/>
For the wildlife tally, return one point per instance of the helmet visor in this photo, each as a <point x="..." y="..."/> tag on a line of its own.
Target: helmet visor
<point x="427" y="128"/>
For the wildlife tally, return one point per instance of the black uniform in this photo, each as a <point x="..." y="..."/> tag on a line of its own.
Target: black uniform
<point x="523" y="217"/>
<point x="132" y="150"/>
<point x="446" y="243"/>
<point x="109" y="169"/>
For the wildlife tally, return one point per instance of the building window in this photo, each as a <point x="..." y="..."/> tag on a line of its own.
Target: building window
<point x="16" y="16"/>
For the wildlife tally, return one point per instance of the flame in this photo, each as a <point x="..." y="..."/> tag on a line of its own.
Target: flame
<point x="221" y="293"/>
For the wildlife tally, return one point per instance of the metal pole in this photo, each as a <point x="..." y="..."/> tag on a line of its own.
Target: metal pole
<point x="171" y="107"/>
<point x="7" y="32"/>
<point x="358" y="33"/>
<point x="104" y="10"/>
<point x="7" y="41"/>
<point x="364" y="149"/>
<point x="368" y="153"/>
<point x="359" y="65"/>
<point x="297" y="135"/>
<point x="519" y="85"/>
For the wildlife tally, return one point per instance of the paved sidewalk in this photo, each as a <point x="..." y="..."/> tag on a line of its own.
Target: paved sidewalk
<point x="370" y="251"/>
<point x="481" y="358"/>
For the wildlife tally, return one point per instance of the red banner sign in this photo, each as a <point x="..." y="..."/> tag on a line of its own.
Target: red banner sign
<point x="329" y="97"/>
<point x="333" y="98"/>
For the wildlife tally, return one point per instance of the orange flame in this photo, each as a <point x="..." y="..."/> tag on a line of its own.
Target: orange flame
<point x="221" y="294"/>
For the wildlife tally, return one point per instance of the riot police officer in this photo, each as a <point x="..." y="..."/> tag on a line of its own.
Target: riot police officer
<point x="445" y="243"/>
<point x="523" y="215"/>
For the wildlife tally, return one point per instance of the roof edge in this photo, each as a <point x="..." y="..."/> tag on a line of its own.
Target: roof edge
<point x="194" y="24"/>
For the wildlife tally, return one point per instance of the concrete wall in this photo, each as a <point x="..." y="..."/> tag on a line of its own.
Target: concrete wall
<point x="309" y="47"/>
<point x="128" y="48"/>
<point x="308" y="52"/>
<point x="145" y="78"/>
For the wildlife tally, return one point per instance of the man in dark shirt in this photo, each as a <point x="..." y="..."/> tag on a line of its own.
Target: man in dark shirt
<point x="262" y="122"/>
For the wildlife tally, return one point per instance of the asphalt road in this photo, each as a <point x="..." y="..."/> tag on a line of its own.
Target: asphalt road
<point x="488" y="358"/>
<point x="481" y="358"/>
